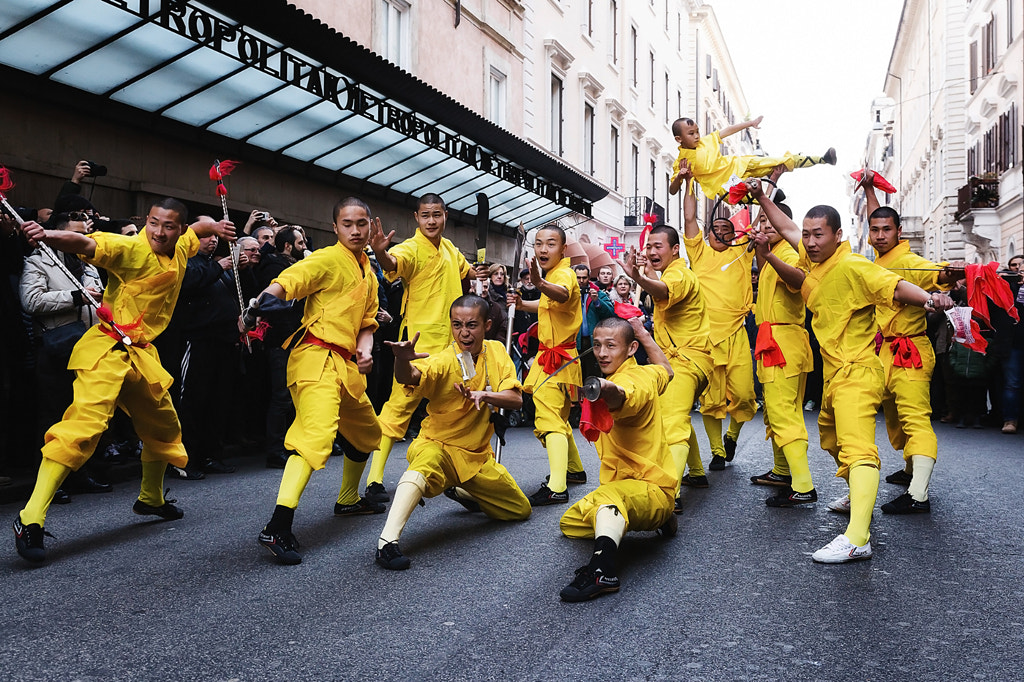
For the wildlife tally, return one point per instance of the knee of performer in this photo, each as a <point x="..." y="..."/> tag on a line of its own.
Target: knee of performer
<point x="414" y="477"/>
<point x="352" y="453"/>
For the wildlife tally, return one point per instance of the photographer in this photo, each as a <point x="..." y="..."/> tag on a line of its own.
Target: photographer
<point x="83" y="169"/>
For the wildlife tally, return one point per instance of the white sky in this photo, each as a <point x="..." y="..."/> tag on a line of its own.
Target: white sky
<point x="812" y="68"/>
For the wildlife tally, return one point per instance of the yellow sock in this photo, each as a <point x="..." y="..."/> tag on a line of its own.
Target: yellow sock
<point x="151" y="491"/>
<point x="407" y="495"/>
<point x="558" y="459"/>
<point x="713" y="426"/>
<point x="863" y="491"/>
<point x="796" y="457"/>
<point x="351" y="474"/>
<point x="734" y="428"/>
<point x="693" y="456"/>
<point x="780" y="465"/>
<point x="922" y="476"/>
<point x="575" y="464"/>
<point x="296" y="475"/>
<point x="802" y="161"/>
<point x="379" y="459"/>
<point x="679" y="453"/>
<point x="51" y="475"/>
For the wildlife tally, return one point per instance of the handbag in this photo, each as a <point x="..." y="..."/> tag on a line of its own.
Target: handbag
<point x="60" y="341"/>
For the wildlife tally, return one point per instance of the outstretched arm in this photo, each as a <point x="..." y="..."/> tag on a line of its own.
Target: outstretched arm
<point x="62" y="240"/>
<point x="690" y="227"/>
<point x="509" y="399"/>
<point x="405" y="352"/>
<point x="866" y="182"/>
<point x="681" y="176"/>
<point x="782" y="223"/>
<point x="380" y="242"/>
<point x="908" y="293"/>
<point x="733" y="129"/>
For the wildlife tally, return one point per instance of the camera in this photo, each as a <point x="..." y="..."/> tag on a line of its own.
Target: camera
<point x="96" y="170"/>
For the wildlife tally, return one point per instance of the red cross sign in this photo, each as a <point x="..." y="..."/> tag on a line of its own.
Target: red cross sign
<point x="614" y="247"/>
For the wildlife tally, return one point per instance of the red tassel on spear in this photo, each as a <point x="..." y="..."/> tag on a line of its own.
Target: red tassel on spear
<point x="218" y="171"/>
<point x="6" y="183"/>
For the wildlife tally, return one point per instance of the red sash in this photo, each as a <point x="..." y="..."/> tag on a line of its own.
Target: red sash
<point x="550" y="359"/>
<point x="904" y="351"/>
<point x="106" y="320"/>
<point x="766" y="348"/>
<point x="310" y="339"/>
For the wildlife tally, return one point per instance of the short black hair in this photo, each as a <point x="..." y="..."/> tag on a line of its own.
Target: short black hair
<point x="785" y="209"/>
<point x="172" y="204"/>
<point x="286" y="235"/>
<point x="670" y="232"/>
<point x="482" y="306"/>
<point x="678" y="124"/>
<point x="554" y="228"/>
<point x="830" y="215"/>
<point x="431" y="198"/>
<point x="619" y="325"/>
<point x="59" y="221"/>
<point x="348" y="201"/>
<point x="885" y="213"/>
<point x="580" y="267"/>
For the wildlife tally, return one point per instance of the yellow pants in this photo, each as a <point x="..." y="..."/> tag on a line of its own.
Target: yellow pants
<point x="676" y="402"/>
<point x="492" y="487"/>
<point x="731" y="384"/>
<point x="116" y="382"/>
<point x="397" y="413"/>
<point x="846" y="422"/>
<point x="552" y="410"/>
<point x="783" y="408"/>
<point x="323" y="408"/>
<point x="644" y="505"/>
<point x="907" y="403"/>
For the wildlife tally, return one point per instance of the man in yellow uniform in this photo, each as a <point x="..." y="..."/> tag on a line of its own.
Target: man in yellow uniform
<point x="724" y="275"/>
<point x="326" y="368"/>
<point x="432" y="271"/>
<point x="841" y="289"/>
<point x="115" y="363"/>
<point x="638" y="479"/>
<point x="681" y="330"/>
<point x="452" y="453"/>
<point x="907" y="356"/>
<point x="783" y="354"/>
<point x="559" y="316"/>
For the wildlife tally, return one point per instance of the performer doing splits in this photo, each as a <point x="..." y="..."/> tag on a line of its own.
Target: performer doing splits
<point x="638" y="479"/>
<point x="454" y="445"/>
<point x="145" y="272"/>
<point x="326" y="368"/>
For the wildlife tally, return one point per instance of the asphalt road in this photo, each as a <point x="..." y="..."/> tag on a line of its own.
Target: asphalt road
<point x="733" y="596"/>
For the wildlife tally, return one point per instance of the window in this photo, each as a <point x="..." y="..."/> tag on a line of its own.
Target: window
<point x="1010" y="20"/>
<point x="614" y="165"/>
<point x="588" y="19"/>
<point x="588" y="138"/>
<point x="652" y="80"/>
<point x="972" y="67"/>
<point x="635" y="167"/>
<point x="988" y="47"/>
<point x="679" y="103"/>
<point x="557" y="92"/>
<point x="666" y="16"/>
<point x="679" y="31"/>
<point x="394" y="32"/>
<point x="613" y="6"/>
<point x="654" y="180"/>
<point x="497" y="94"/>
<point x="633" y="43"/>
<point x="666" y="117"/>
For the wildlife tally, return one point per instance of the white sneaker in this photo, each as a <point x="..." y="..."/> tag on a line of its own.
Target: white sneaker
<point x="841" y="550"/>
<point x="841" y="506"/>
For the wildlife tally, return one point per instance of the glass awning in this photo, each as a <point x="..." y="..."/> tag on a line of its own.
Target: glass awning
<point x="264" y="74"/>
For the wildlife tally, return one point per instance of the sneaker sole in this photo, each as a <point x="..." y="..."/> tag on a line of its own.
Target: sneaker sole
<point x="547" y="502"/>
<point x="360" y="512"/>
<point x="576" y="599"/>
<point x="281" y="555"/>
<point x="765" y="481"/>
<point x="845" y="560"/>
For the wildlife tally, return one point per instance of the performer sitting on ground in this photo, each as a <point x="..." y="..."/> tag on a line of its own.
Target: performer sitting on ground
<point x="560" y="315"/>
<point x="453" y="447"/>
<point x="716" y="172"/>
<point x="145" y="274"/>
<point x="326" y="369"/>
<point x="638" y="478"/>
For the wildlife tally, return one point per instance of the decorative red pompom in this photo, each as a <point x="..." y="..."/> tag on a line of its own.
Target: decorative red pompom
<point x="105" y="314"/>
<point x="222" y="191"/>
<point x="650" y="219"/>
<point x="737" y="192"/>
<point x="6" y="183"/>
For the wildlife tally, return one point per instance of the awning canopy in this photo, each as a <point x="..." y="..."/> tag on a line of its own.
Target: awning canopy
<point x="263" y="77"/>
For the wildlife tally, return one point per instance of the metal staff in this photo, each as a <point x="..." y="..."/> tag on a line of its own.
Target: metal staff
<point x="217" y="174"/>
<point x="520" y="241"/>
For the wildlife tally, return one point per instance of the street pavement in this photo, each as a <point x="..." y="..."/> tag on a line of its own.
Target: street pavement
<point x="733" y="596"/>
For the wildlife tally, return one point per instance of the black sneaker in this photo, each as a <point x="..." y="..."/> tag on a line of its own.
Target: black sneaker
<point x="545" y="496"/>
<point x="717" y="463"/>
<point x="829" y="157"/>
<point x="589" y="583"/>
<point x="695" y="481"/>
<point x="186" y="474"/>
<point x="905" y="504"/>
<point x="61" y="497"/>
<point x="787" y="497"/>
<point x="361" y="508"/>
<point x="284" y="546"/>
<point x="166" y="511"/>
<point x="900" y="477"/>
<point x="669" y="529"/>
<point x="391" y="558"/>
<point x="376" y="492"/>
<point x="730" y="447"/>
<point x="772" y="478"/>
<point x="678" y="508"/>
<point x="470" y="505"/>
<point x="213" y="466"/>
<point x="571" y="477"/>
<point x="28" y="540"/>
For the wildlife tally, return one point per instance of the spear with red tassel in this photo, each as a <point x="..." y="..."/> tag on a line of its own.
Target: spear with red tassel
<point x="102" y="312"/>
<point x="218" y="171"/>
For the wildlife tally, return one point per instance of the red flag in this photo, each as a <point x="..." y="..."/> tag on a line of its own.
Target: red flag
<point x="627" y="311"/>
<point x="741" y="221"/>
<point x="877" y="180"/>
<point x="737" y="192"/>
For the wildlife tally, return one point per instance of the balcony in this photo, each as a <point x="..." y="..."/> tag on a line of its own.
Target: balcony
<point x="635" y="207"/>
<point x="978" y="193"/>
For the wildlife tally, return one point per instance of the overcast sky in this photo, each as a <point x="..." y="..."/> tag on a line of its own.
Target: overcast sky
<point x="812" y="69"/>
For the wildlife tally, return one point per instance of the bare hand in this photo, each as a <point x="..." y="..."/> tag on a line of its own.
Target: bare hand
<point x="513" y="298"/>
<point x="761" y="243"/>
<point x="253" y="217"/>
<point x="476" y="397"/>
<point x="535" y="274"/>
<point x="379" y="241"/>
<point x="243" y="260"/>
<point x="629" y="263"/>
<point x="756" y="123"/>
<point x="685" y="173"/>
<point x="939" y="301"/>
<point x="777" y="172"/>
<point x="364" y="361"/>
<point x="481" y="272"/>
<point x="384" y="317"/>
<point x="225" y="263"/>
<point x="754" y="188"/>
<point x="96" y="294"/>
<point x="406" y="350"/>
<point x="81" y="171"/>
<point x="225" y="229"/>
<point x="867" y="177"/>
<point x="34" y="232"/>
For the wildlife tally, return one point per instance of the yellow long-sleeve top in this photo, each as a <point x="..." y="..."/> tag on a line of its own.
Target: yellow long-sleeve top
<point x="451" y="419"/>
<point x="842" y="293"/>
<point x="433" y="280"/>
<point x="784" y="309"/>
<point x="142" y="290"/>
<point x="896" y="319"/>
<point x="636" y="448"/>
<point x="681" y="325"/>
<point x="728" y="293"/>
<point x="557" y="327"/>
<point x="711" y="168"/>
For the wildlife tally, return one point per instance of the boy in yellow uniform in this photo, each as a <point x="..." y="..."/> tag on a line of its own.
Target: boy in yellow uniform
<point x="326" y="370"/>
<point x="462" y="383"/>
<point x="146" y="271"/>
<point x="907" y="356"/>
<point x="841" y="289"/>
<point x="638" y="479"/>
<point x="559" y="316"/>
<point x="715" y="171"/>
<point x="729" y="297"/>
<point x="783" y="354"/>
<point x="432" y="271"/>
<point x="682" y="331"/>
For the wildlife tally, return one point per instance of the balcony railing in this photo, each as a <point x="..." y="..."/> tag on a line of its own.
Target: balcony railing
<point x="636" y="207"/>
<point x="977" y="193"/>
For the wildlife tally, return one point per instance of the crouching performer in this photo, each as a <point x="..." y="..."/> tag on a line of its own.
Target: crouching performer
<point x="638" y="476"/>
<point x="452" y="453"/>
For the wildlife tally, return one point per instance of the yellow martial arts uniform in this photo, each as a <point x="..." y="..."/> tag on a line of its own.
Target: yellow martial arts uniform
<point x="454" y="445"/>
<point x="637" y="474"/>
<point x="328" y="391"/>
<point x="729" y="298"/>
<point x="782" y="310"/>
<point x="712" y="169"/>
<point x="842" y="293"/>
<point x="432" y="277"/>
<point x="907" y="398"/>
